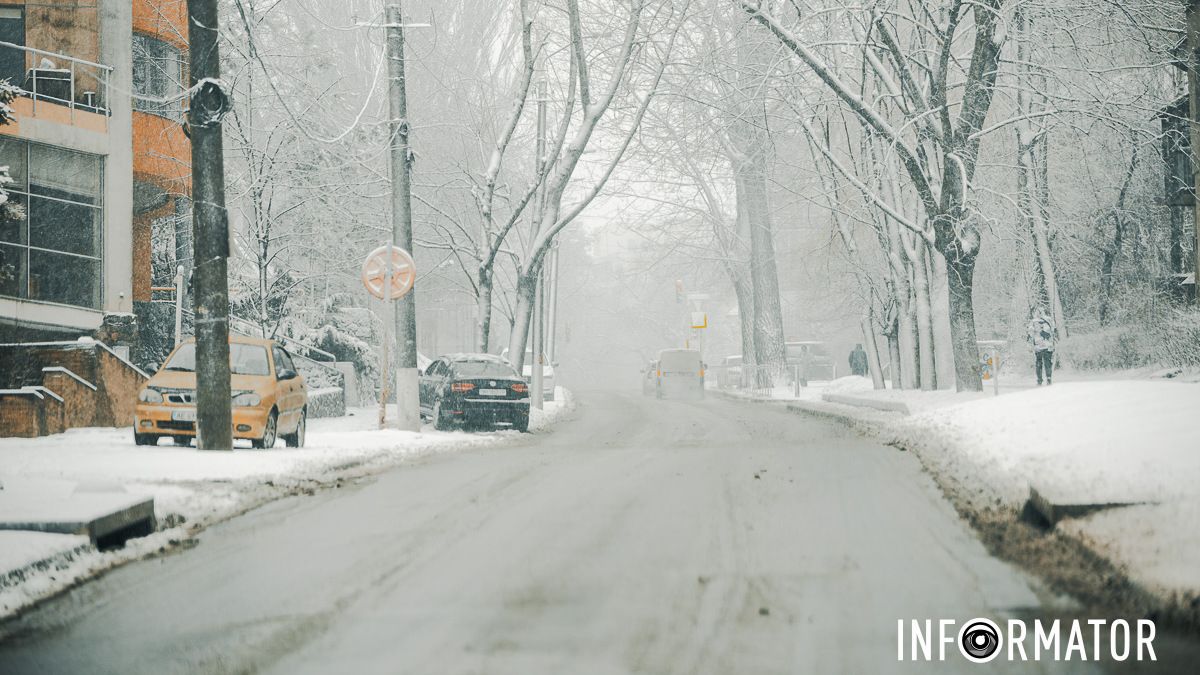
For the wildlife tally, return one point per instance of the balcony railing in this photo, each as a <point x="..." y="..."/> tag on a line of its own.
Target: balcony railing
<point x="61" y="80"/>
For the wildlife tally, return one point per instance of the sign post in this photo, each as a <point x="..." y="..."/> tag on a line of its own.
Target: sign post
<point x="389" y="273"/>
<point x="989" y="360"/>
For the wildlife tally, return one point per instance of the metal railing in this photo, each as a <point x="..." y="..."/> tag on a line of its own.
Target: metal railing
<point x="77" y="84"/>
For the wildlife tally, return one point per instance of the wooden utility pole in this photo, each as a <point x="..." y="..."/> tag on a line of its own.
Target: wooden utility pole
<point x="210" y="230"/>
<point x="1193" y="62"/>
<point x="408" y="413"/>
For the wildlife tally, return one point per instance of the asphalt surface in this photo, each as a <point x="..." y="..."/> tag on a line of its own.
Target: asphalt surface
<point x="643" y="536"/>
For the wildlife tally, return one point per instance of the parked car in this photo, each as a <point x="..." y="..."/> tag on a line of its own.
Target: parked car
<point x="730" y="374"/>
<point x="650" y="379"/>
<point x="527" y="372"/>
<point x="474" y="390"/>
<point x="814" y="359"/>
<point x="269" y="397"/>
<point x="680" y="374"/>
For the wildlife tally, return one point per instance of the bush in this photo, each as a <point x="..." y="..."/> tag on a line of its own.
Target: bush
<point x="1172" y="339"/>
<point x="328" y="402"/>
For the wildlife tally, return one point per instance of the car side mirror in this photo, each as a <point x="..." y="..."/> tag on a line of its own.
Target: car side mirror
<point x="287" y="375"/>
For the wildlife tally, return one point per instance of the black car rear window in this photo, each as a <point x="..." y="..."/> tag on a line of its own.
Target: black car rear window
<point x="482" y="369"/>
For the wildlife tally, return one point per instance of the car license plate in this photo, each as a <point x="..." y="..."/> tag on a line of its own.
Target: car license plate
<point x="493" y="392"/>
<point x="184" y="415"/>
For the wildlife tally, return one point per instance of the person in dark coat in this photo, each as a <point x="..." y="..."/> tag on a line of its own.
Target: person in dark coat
<point x="858" y="361"/>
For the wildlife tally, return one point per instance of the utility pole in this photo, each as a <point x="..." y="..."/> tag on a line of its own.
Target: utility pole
<point x="408" y="414"/>
<point x="538" y="366"/>
<point x="210" y="231"/>
<point x="552" y="305"/>
<point x="1193" y="62"/>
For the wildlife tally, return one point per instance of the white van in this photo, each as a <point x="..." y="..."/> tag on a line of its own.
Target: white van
<point x="680" y="374"/>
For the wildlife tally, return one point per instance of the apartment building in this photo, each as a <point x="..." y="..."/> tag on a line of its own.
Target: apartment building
<point x="98" y="160"/>
<point x="96" y="153"/>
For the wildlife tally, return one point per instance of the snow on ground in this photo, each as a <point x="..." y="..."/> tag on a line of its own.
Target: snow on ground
<point x="19" y="549"/>
<point x="1095" y="442"/>
<point x="1090" y="441"/>
<point x="193" y="489"/>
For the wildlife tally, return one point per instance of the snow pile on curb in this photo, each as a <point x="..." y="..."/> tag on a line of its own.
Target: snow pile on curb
<point x="1087" y="442"/>
<point x="193" y="489"/>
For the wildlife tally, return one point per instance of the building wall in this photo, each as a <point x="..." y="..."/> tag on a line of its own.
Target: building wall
<point x="116" y="27"/>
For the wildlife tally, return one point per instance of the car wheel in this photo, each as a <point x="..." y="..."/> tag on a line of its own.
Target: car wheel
<point x="181" y="440"/>
<point x="296" y="438"/>
<point x="144" y="439"/>
<point x="269" y="433"/>
<point x="521" y="425"/>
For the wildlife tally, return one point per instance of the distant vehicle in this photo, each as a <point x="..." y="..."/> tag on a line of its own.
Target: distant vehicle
<point x="650" y="379"/>
<point x="730" y="374"/>
<point x="680" y="374"/>
<point x="813" y="357"/>
<point x="269" y="396"/>
<point x="527" y="372"/>
<point x="474" y="390"/>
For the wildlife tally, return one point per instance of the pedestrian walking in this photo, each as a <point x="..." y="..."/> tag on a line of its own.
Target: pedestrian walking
<point x="1041" y="335"/>
<point x="858" y="361"/>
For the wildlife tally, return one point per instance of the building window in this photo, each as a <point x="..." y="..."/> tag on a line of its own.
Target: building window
<point x="51" y="228"/>
<point x="157" y="78"/>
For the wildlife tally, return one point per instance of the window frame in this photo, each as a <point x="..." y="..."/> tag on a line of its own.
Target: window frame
<point x="26" y="194"/>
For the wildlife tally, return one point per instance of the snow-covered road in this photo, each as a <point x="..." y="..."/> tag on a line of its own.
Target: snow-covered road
<point x="643" y="536"/>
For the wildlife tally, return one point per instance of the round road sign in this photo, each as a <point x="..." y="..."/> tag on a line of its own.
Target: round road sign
<point x="375" y="272"/>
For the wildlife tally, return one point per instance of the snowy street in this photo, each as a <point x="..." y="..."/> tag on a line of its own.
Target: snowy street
<point x="642" y="536"/>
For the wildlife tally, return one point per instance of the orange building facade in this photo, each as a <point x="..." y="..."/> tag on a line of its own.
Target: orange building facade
<point x="99" y="161"/>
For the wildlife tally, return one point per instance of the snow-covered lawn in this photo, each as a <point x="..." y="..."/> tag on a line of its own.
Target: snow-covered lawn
<point x="193" y="489"/>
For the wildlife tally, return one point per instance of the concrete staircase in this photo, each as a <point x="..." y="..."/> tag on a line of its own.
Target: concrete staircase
<point x="48" y="387"/>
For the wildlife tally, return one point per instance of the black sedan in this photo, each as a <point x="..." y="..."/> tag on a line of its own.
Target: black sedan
<point x="474" y="390"/>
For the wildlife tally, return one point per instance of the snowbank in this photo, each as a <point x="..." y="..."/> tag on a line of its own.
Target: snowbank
<point x="1116" y="441"/>
<point x="194" y="489"/>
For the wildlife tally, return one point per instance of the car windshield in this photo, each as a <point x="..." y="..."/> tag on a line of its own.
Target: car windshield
<point x="243" y="359"/>
<point x="483" y="369"/>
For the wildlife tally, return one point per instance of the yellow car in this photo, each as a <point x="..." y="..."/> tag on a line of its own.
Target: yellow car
<point x="269" y="398"/>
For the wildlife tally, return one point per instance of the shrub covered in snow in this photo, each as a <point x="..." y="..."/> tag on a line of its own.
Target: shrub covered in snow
<point x="326" y="402"/>
<point x="1172" y="339"/>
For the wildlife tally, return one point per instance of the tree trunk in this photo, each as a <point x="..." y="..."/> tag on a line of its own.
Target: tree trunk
<point x="961" y="272"/>
<point x="483" y="310"/>
<point x="894" y="356"/>
<point x="872" y="345"/>
<point x="939" y="309"/>
<point x="527" y="283"/>
<point x="927" y="377"/>
<point x="745" y="300"/>
<point x="764" y="280"/>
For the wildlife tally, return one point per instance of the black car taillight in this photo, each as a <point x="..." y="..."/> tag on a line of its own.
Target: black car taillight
<point x="461" y="387"/>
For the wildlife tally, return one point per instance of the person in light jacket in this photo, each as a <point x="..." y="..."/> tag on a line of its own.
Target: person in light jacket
<point x="1041" y="335"/>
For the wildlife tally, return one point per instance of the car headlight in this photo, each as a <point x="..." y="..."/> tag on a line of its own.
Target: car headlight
<point x="150" y="395"/>
<point x="246" y="399"/>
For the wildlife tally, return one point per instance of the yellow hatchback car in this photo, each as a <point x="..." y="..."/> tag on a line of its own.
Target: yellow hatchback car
<point x="269" y="398"/>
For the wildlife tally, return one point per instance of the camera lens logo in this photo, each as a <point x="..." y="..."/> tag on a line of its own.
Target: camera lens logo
<point x="979" y="640"/>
